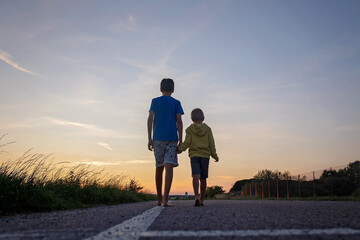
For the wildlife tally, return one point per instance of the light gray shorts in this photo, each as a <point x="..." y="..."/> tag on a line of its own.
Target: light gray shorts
<point x="165" y="152"/>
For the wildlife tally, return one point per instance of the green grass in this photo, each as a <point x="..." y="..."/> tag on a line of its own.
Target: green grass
<point x="35" y="183"/>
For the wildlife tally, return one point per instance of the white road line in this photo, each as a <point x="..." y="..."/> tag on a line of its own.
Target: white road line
<point x="251" y="233"/>
<point x="45" y="233"/>
<point x="132" y="228"/>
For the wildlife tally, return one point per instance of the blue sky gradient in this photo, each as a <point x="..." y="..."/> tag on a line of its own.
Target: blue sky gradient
<point x="278" y="81"/>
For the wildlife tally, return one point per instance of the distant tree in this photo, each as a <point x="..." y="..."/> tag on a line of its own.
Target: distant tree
<point x="265" y="174"/>
<point x="328" y="173"/>
<point x="285" y="175"/>
<point x="353" y="172"/>
<point x="237" y="187"/>
<point x="214" y="190"/>
<point x="342" y="182"/>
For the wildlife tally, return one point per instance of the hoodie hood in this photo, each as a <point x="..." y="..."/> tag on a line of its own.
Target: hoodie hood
<point x="199" y="129"/>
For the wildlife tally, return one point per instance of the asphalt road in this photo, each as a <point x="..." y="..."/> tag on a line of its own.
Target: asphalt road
<point x="218" y="219"/>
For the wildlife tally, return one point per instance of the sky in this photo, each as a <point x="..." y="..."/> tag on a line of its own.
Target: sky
<point x="278" y="81"/>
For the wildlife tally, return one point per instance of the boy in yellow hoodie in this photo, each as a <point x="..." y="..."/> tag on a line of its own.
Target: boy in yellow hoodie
<point x="200" y="141"/>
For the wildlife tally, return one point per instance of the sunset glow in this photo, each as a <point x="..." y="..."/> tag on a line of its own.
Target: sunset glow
<point x="278" y="81"/>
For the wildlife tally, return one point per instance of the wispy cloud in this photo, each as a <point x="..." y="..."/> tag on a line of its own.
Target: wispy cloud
<point x="129" y="24"/>
<point x="159" y="69"/>
<point x="8" y="59"/>
<point x="114" y="163"/>
<point x="224" y="177"/>
<point x="138" y="161"/>
<point x="75" y="38"/>
<point x="97" y="163"/>
<point x="105" y="145"/>
<point x="79" y="99"/>
<point x="346" y="128"/>
<point x="91" y="129"/>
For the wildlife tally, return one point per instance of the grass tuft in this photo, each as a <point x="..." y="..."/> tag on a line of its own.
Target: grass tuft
<point x="35" y="183"/>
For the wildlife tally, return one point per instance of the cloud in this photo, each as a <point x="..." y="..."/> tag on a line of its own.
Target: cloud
<point x="79" y="99"/>
<point x="159" y="69"/>
<point x="105" y="145"/>
<point x="124" y="25"/>
<point x="113" y="163"/>
<point x="347" y="128"/>
<point x="97" y="163"/>
<point x="7" y="58"/>
<point x="138" y="161"/>
<point x="91" y="129"/>
<point x="224" y="177"/>
<point x="81" y="38"/>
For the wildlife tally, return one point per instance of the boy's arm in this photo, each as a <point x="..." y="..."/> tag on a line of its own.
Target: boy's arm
<point x="212" y="147"/>
<point x="149" y="128"/>
<point x="179" y="124"/>
<point x="187" y="141"/>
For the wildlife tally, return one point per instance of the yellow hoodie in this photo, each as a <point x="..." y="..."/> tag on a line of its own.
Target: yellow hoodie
<point x="200" y="141"/>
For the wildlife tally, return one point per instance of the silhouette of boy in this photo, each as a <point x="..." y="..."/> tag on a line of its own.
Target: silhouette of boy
<point x="200" y="141"/>
<point x="165" y="119"/>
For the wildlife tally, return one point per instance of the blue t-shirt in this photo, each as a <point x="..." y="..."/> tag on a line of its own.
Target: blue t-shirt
<point x="165" y="109"/>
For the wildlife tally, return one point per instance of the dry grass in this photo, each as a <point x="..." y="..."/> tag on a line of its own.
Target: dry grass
<point x="34" y="182"/>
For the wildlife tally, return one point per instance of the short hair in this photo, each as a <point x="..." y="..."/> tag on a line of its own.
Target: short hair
<point x="197" y="115"/>
<point x="167" y="85"/>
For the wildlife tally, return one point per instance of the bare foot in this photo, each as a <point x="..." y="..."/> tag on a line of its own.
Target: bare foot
<point x="167" y="205"/>
<point x="159" y="201"/>
<point x="197" y="202"/>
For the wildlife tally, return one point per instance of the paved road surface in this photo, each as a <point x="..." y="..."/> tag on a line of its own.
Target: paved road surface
<point x="218" y="219"/>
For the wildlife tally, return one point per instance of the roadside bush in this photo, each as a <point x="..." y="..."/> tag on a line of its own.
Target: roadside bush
<point x="212" y="191"/>
<point x="356" y="193"/>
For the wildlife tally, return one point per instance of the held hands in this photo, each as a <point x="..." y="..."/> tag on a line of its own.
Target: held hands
<point x="217" y="159"/>
<point x="178" y="151"/>
<point x="150" y="145"/>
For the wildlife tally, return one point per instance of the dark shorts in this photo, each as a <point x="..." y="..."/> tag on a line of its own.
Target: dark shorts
<point x="200" y="166"/>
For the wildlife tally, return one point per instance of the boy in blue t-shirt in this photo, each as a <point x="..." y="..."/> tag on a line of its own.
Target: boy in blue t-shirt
<point x="165" y="118"/>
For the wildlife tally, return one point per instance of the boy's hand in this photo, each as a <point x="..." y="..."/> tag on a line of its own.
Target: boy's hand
<point x="150" y="145"/>
<point x="179" y="144"/>
<point x="178" y="151"/>
<point x="216" y="160"/>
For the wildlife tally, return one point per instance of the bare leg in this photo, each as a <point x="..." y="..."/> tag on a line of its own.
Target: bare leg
<point x="196" y="189"/>
<point x="168" y="180"/>
<point x="158" y="180"/>
<point x="196" y="185"/>
<point x="202" y="190"/>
